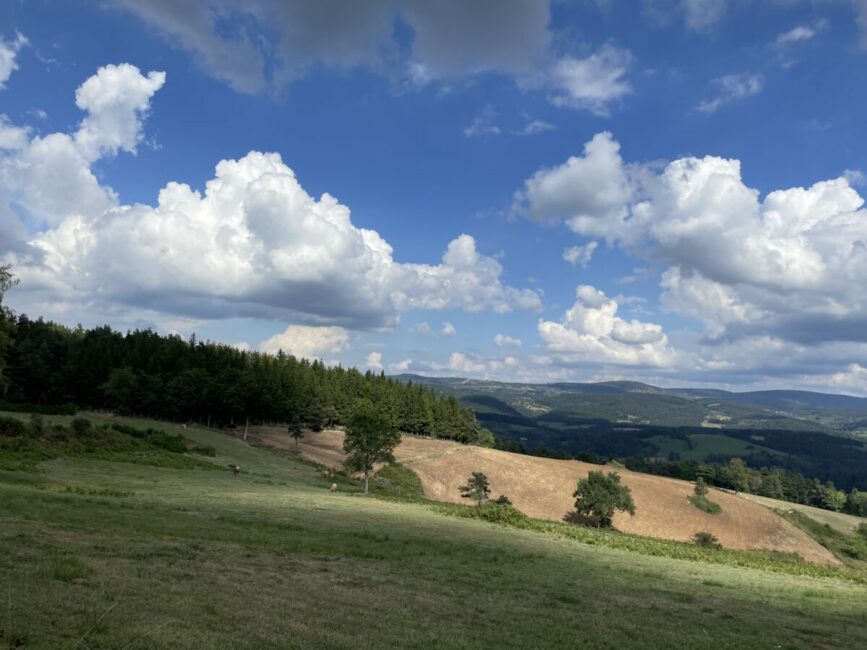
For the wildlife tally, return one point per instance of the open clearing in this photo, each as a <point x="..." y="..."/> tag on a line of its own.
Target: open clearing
<point x="542" y="488"/>
<point x="103" y="554"/>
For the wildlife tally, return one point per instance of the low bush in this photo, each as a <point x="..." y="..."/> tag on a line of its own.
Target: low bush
<point x="706" y="540"/>
<point x="400" y="480"/>
<point x="704" y="504"/>
<point x="80" y="426"/>
<point x="12" y="427"/>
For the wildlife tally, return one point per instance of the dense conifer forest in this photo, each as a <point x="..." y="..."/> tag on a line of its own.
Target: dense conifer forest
<point x="50" y="366"/>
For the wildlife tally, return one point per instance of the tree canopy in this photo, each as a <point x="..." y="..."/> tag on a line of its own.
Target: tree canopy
<point x="370" y="439"/>
<point x="600" y="495"/>
<point x="144" y="373"/>
<point x="477" y="488"/>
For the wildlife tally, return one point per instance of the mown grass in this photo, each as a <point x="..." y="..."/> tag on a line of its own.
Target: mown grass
<point x="271" y="558"/>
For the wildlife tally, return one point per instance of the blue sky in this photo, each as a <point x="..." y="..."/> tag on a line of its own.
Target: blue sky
<point x="667" y="191"/>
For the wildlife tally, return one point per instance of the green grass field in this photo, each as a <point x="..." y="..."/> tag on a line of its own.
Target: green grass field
<point x="104" y="554"/>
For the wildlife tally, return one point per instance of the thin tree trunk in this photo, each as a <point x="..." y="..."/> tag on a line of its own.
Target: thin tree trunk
<point x="246" y="427"/>
<point x="365" y="481"/>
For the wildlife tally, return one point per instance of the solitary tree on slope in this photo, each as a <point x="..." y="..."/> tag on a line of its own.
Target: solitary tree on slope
<point x="477" y="488"/>
<point x="370" y="439"/>
<point x="599" y="495"/>
<point x="295" y="430"/>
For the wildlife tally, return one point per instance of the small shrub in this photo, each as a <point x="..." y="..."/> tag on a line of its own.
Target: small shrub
<point x="204" y="450"/>
<point x="862" y="530"/>
<point x="37" y="423"/>
<point x="706" y="540"/>
<point x="80" y="426"/>
<point x="12" y="427"/>
<point x="705" y="504"/>
<point x="503" y="513"/>
<point x="503" y="500"/>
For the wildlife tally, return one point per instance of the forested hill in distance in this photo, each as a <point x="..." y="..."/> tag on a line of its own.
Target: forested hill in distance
<point x="638" y="403"/>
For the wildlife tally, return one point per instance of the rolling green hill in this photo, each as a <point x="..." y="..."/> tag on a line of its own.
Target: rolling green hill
<point x="101" y="553"/>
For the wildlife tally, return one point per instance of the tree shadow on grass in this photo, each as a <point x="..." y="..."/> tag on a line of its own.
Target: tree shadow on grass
<point x="573" y="517"/>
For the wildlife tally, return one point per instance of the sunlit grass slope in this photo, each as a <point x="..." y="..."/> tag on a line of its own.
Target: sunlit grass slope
<point x="120" y="555"/>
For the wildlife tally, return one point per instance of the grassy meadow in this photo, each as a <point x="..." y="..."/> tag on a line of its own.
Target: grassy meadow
<point x="101" y="553"/>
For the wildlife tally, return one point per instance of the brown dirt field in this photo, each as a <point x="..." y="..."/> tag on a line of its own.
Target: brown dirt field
<point x="542" y="488"/>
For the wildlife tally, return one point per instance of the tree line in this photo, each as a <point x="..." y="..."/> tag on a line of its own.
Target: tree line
<point x="144" y="373"/>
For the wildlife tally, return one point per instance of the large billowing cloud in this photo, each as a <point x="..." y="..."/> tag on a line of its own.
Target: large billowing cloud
<point x="252" y="244"/>
<point x="788" y="265"/>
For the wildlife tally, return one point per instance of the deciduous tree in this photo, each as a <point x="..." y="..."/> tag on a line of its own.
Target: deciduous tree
<point x="600" y="495"/>
<point x="370" y="439"/>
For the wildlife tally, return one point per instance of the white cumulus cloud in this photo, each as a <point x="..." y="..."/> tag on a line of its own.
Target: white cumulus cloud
<point x="580" y="255"/>
<point x="308" y="342"/>
<point x="8" y="57"/>
<point x="254" y="243"/>
<point x="501" y="340"/>
<point x="591" y="333"/>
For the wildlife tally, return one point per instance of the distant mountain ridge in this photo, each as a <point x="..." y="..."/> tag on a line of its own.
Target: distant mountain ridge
<point x="776" y="399"/>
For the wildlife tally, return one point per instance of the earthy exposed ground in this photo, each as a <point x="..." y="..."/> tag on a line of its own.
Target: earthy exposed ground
<point x="542" y="488"/>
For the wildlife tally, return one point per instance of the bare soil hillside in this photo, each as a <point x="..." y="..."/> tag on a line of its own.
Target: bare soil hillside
<point x="543" y="487"/>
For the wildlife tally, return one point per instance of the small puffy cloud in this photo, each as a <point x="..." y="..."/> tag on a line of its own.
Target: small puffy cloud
<point x="580" y="255"/>
<point x="501" y="340"/>
<point x="732" y="87"/>
<point x="400" y="366"/>
<point x="460" y="362"/>
<point x="309" y="342"/>
<point x="590" y="192"/>
<point x="591" y="333"/>
<point x="785" y="44"/>
<point x="424" y="328"/>
<point x="116" y="99"/>
<point x="593" y="83"/>
<point x="374" y="361"/>
<point x="8" y="55"/>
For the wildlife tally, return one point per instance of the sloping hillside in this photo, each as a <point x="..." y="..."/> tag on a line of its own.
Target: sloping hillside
<point x="542" y="488"/>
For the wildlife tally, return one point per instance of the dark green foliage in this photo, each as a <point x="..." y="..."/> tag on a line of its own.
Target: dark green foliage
<point x="706" y="540"/>
<point x="295" y="429"/>
<point x="12" y="427"/>
<point x="370" y="439"/>
<point x="166" y="377"/>
<point x="705" y="504"/>
<point x="401" y="481"/>
<point x="600" y="495"/>
<point x="477" y="488"/>
<point x="203" y="450"/>
<point x="80" y="426"/>
<point x="7" y="324"/>
<point x="700" y="489"/>
<point x="503" y="500"/>
<point x="862" y="530"/>
<point x="24" y="446"/>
